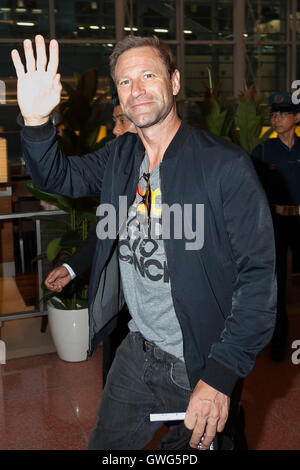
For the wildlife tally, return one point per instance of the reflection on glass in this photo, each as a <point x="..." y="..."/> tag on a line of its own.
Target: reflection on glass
<point x="298" y="62"/>
<point x="266" y="67"/>
<point x="156" y="17"/>
<point x="297" y="22"/>
<point x="208" y="20"/>
<point x="265" y="20"/>
<point x="24" y="18"/>
<point x="85" y="19"/>
<point x="81" y="57"/>
<point x="197" y="61"/>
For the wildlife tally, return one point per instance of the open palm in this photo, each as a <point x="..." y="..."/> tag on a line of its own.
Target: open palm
<point x="39" y="87"/>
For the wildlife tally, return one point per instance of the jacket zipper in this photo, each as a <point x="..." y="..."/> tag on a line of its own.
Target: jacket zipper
<point x="171" y="287"/>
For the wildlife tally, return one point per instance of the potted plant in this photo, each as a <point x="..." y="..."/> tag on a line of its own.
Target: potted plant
<point x="67" y="310"/>
<point x="215" y="118"/>
<point x="78" y="133"/>
<point x="240" y="122"/>
<point x="249" y="119"/>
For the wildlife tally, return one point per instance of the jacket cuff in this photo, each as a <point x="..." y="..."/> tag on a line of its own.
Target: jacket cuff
<point x="71" y="272"/>
<point x="219" y="377"/>
<point x="36" y="133"/>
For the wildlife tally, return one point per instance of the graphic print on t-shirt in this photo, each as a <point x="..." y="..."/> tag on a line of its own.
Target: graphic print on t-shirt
<point x="141" y="243"/>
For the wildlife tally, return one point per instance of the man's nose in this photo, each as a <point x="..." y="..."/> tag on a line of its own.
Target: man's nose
<point x="117" y="130"/>
<point x="137" y="88"/>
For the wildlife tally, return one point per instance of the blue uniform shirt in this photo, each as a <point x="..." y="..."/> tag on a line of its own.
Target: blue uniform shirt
<point x="279" y="170"/>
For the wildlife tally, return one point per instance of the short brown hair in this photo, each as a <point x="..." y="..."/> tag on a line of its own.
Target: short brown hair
<point x="130" y="42"/>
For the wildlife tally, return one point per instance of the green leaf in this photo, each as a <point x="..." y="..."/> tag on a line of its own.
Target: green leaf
<point x="77" y="77"/>
<point x="64" y="203"/>
<point x="68" y="88"/>
<point x="61" y="202"/>
<point x="91" y="217"/>
<point x="53" y="249"/>
<point x="70" y="238"/>
<point x="39" y="194"/>
<point x="92" y="137"/>
<point x="56" y="226"/>
<point x="102" y="142"/>
<point x="39" y="257"/>
<point x="82" y="303"/>
<point x="59" y="304"/>
<point x="215" y="118"/>
<point x="266" y="135"/>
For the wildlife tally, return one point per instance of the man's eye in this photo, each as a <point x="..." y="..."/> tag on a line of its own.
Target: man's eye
<point x="123" y="82"/>
<point x="148" y="75"/>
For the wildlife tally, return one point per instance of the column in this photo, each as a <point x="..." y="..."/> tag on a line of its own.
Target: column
<point x="239" y="59"/>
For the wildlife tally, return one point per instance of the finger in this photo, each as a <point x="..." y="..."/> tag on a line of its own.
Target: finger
<point x="41" y="57"/>
<point x="17" y="63"/>
<point x="190" y="420"/>
<point x="51" y="277"/>
<point x="54" y="276"/>
<point x="65" y="280"/>
<point x="50" y="286"/>
<point x="29" y="56"/>
<point x="210" y="432"/>
<point x="56" y="83"/>
<point x="58" y="287"/>
<point x="222" y="421"/>
<point x="53" y="57"/>
<point x="198" y="432"/>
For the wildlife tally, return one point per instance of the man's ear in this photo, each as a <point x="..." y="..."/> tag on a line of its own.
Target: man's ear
<point x="175" y="82"/>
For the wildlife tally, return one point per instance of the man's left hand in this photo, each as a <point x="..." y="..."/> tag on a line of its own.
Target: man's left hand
<point x="206" y="414"/>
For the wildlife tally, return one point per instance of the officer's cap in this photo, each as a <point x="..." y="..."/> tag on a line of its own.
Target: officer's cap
<point x="281" y="101"/>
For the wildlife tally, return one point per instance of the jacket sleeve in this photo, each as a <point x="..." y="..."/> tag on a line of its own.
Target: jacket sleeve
<point x="55" y="173"/>
<point x="82" y="259"/>
<point x="249" y="325"/>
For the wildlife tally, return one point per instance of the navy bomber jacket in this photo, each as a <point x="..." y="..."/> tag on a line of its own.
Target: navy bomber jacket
<point x="224" y="294"/>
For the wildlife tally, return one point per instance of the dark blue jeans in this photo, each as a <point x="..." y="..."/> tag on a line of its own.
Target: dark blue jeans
<point x="143" y="379"/>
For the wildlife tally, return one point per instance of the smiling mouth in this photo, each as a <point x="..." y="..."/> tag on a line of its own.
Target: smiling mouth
<point x="144" y="103"/>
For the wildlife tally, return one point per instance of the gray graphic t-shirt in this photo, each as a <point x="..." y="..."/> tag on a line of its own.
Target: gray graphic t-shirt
<point x="144" y="270"/>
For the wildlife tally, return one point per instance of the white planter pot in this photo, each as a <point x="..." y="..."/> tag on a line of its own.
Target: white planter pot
<point x="70" y="332"/>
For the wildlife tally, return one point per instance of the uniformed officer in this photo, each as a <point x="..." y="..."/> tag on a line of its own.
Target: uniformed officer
<point x="278" y="165"/>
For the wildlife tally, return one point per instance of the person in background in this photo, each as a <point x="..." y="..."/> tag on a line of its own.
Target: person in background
<point x="82" y="260"/>
<point x="121" y="122"/>
<point x="278" y="164"/>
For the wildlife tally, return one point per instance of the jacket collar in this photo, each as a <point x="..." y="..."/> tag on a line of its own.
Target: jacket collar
<point x="175" y="144"/>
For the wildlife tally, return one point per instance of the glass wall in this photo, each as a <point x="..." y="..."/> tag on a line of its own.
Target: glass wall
<point x="82" y="19"/>
<point x="155" y="17"/>
<point x="207" y="20"/>
<point x="240" y="41"/>
<point x="266" y="67"/>
<point x="19" y="18"/>
<point x="199" y="59"/>
<point x="267" y="21"/>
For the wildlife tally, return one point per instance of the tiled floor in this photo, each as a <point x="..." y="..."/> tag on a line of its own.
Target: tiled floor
<point x="271" y="400"/>
<point x="46" y="403"/>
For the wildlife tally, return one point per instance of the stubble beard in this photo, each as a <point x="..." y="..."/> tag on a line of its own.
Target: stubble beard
<point x="154" y="117"/>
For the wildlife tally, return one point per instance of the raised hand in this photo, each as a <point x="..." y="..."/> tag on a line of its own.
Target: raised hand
<point x="57" y="279"/>
<point x="39" y="88"/>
